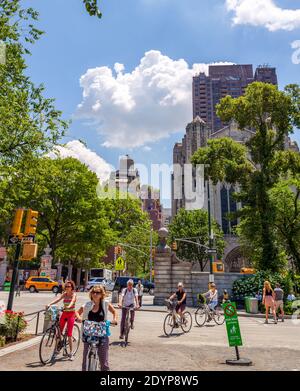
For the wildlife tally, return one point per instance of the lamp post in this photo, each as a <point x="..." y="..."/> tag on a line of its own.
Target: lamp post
<point x="151" y="244"/>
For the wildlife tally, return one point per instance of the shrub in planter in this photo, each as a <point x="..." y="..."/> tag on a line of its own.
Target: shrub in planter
<point x="251" y="285"/>
<point x="13" y="323"/>
<point x="2" y="341"/>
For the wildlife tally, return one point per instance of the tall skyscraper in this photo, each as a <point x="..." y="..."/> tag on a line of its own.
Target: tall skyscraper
<point x="224" y="80"/>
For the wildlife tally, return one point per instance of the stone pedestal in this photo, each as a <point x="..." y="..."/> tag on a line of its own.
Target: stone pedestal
<point x="163" y="278"/>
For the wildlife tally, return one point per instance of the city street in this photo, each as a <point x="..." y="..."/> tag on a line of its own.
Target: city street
<point x="203" y="348"/>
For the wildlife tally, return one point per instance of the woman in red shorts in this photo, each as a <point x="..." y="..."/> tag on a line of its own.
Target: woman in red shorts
<point x="68" y="315"/>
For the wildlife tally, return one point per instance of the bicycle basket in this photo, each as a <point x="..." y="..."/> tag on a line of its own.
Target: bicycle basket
<point x="171" y="305"/>
<point x="93" y="331"/>
<point x="201" y="299"/>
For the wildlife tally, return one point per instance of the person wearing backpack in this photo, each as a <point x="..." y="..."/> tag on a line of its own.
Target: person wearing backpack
<point x="128" y="299"/>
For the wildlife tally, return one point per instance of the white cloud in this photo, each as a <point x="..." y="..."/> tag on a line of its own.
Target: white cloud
<point x="132" y="109"/>
<point x="264" y="13"/>
<point x="78" y="150"/>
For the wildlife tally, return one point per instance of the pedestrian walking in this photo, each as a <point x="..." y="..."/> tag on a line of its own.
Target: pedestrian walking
<point x="279" y="300"/>
<point x="269" y="301"/>
<point x="140" y="289"/>
<point x="60" y="286"/>
<point x="96" y="310"/>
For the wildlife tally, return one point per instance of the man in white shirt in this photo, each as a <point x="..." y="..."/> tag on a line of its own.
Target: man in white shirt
<point x="128" y="299"/>
<point x="140" y="291"/>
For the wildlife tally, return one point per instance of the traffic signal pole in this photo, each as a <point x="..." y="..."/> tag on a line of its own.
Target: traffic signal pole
<point x="14" y="277"/>
<point x="211" y="273"/>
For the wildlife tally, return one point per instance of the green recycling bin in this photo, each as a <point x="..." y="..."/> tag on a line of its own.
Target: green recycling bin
<point x="6" y="286"/>
<point x="247" y="304"/>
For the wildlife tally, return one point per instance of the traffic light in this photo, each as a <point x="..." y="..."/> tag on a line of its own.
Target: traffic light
<point x="31" y="222"/>
<point x="174" y="246"/>
<point x="17" y="223"/>
<point x="118" y="250"/>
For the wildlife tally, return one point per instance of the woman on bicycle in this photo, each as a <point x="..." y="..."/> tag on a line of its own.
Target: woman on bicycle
<point x="180" y="294"/>
<point x="96" y="310"/>
<point x="68" y="315"/>
<point x="212" y="296"/>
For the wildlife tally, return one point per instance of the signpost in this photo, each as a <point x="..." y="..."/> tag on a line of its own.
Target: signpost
<point x="234" y="334"/>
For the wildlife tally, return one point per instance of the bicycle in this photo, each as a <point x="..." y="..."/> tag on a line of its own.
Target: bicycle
<point x="93" y="361"/>
<point x="173" y="319"/>
<point x="205" y="314"/>
<point x="127" y="324"/>
<point x="53" y="341"/>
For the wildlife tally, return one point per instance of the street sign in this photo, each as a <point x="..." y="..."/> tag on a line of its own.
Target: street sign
<point x="120" y="264"/>
<point x="232" y="325"/>
<point x="13" y="239"/>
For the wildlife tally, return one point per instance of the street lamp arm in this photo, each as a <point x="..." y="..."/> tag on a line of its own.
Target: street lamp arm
<point x="189" y="241"/>
<point x="133" y="248"/>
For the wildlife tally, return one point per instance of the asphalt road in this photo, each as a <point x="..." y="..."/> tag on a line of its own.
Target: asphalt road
<point x="270" y="347"/>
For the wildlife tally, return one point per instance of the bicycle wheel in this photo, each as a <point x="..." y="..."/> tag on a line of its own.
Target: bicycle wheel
<point x="187" y="321"/>
<point x="127" y="328"/>
<point x="92" y="361"/>
<point x="48" y="345"/>
<point x="75" y="340"/>
<point x="168" y="324"/>
<point x="218" y="317"/>
<point x="200" y="316"/>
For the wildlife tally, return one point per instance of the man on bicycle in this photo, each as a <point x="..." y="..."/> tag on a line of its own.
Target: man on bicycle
<point x="128" y="299"/>
<point x="180" y="294"/>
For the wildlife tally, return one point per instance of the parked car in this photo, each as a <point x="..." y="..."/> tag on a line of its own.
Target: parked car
<point x="121" y="283"/>
<point x="35" y="284"/>
<point x="95" y="281"/>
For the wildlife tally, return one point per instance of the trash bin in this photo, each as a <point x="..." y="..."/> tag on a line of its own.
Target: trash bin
<point x="114" y="297"/>
<point x="50" y="317"/>
<point x="247" y="304"/>
<point x="253" y="305"/>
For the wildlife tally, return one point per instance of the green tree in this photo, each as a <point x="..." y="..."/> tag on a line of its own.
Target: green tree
<point x="194" y="225"/>
<point x="29" y="123"/>
<point x="72" y="219"/>
<point x="92" y="8"/>
<point x="272" y="114"/>
<point x="285" y="200"/>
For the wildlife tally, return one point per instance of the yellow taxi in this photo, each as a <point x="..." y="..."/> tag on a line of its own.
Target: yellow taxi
<point x="44" y="283"/>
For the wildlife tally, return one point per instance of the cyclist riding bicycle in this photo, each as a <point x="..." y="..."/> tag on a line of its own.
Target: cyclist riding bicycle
<point x="96" y="310"/>
<point x="180" y="294"/>
<point x="128" y="299"/>
<point x="68" y="315"/>
<point x="212" y="296"/>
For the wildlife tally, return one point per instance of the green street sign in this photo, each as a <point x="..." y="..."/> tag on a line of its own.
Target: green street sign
<point x="120" y="264"/>
<point x="232" y="325"/>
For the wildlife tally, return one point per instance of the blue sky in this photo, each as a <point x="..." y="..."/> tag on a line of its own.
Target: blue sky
<point x="199" y="32"/>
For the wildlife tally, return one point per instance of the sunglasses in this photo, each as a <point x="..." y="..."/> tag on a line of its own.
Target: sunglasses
<point x="96" y="293"/>
<point x="68" y="286"/>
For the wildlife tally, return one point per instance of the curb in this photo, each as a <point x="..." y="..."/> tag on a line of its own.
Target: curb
<point x="193" y="309"/>
<point x="20" y="346"/>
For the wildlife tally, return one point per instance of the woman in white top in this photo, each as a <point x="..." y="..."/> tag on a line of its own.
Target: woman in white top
<point x="96" y="310"/>
<point x="212" y="296"/>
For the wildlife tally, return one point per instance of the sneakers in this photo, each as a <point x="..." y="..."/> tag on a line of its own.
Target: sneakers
<point x="121" y="337"/>
<point x="266" y="322"/>
<point x="132" y="326"/>
<point x="71" y="357"/>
